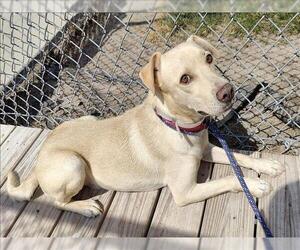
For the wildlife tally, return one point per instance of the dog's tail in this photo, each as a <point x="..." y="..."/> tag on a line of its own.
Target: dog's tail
<point x="23" y="191"/>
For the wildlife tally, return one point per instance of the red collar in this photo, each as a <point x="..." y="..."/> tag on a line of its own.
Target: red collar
<point x="190" y="128"/>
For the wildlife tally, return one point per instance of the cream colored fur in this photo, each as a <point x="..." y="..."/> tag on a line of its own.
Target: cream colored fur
<point x="136" y="151"/>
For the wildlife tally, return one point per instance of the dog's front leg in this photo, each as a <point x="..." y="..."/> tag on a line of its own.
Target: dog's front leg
<point x="185" y="189"/>
<point x="266" y="166"/>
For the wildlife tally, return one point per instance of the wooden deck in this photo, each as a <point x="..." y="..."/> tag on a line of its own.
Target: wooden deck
<point x="152" y="214"/>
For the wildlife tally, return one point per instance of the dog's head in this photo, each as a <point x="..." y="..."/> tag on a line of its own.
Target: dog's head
<point x="184" y="78"/>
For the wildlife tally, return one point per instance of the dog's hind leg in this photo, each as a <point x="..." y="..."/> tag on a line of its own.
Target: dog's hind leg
<point x="63" y="178"/>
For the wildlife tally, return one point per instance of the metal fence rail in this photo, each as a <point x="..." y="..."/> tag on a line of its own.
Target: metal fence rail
<point x="59" y="66"/>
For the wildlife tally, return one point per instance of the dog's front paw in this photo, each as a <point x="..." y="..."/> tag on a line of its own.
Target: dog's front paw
<point x="258" y="187"/>
<point x="271" y="167"/>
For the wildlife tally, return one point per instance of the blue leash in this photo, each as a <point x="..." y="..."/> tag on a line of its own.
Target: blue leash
<point x="238" y="172"/>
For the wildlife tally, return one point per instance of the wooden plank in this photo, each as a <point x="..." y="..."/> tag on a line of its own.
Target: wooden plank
<point x="282" y="207"/>
<point x="172" y="220"/>
<point x="5" y="132"/>
<point x="75" y="225"/>
<point x="277" y="243"/>
<point x="228" y="215"/>
<point x="74" y="243"/>
<point x="4" y="242"/>
<point x="173" y="243"/>
<point x="129" y="215"/>
<point x="14" y="148"/>
<point x="99" y="243"/>
<point x="228" y="243"/>
<point x="10" y="209"/>
<point x="121" y="243"/>
<point x="29" y="243"/>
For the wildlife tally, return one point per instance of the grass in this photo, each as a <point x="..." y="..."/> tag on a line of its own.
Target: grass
<point x="203" y="24"/>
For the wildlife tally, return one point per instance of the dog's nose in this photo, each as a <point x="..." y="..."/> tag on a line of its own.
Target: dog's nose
<point x="226" y="93"/>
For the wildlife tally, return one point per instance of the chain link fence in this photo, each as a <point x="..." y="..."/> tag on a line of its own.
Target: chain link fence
<point x="59" y="66"/>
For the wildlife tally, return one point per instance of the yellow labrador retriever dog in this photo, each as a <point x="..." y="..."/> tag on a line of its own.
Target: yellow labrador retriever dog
<point x="158" y="143"/>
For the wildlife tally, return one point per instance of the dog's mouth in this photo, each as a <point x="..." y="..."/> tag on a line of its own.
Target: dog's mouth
<point x="226" y="108"/>
<point x="202" y="113"/>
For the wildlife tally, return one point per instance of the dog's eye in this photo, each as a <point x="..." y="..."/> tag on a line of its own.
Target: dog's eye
<point x="185" y="79"/>
<point x="209" y="58"/>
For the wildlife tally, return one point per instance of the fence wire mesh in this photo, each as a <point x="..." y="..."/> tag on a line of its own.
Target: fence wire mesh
<point x="59" y="66"/>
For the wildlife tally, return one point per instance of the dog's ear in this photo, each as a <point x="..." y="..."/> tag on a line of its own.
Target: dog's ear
<point x="204" y="44"/>
<point x="149" y="73"/>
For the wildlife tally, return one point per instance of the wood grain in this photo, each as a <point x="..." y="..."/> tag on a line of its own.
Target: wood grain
<point x="29" y="243"/>
<point x="129" y="215"/>
<point x="277" y="243"/>
<point x="282" y="207"/>
<point x="10" y="209"/>
<point x="228" y="214"/>
<point x="173" y="243"/>
<point x="74" y="243"/>
<point x="170" y="220"/>
<point x="5" y="132"/>
<point x="14" y="148"/>
<point x="121" y="243"/>
<point x="4" y="243"/>
<point x="228" y="243"/>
